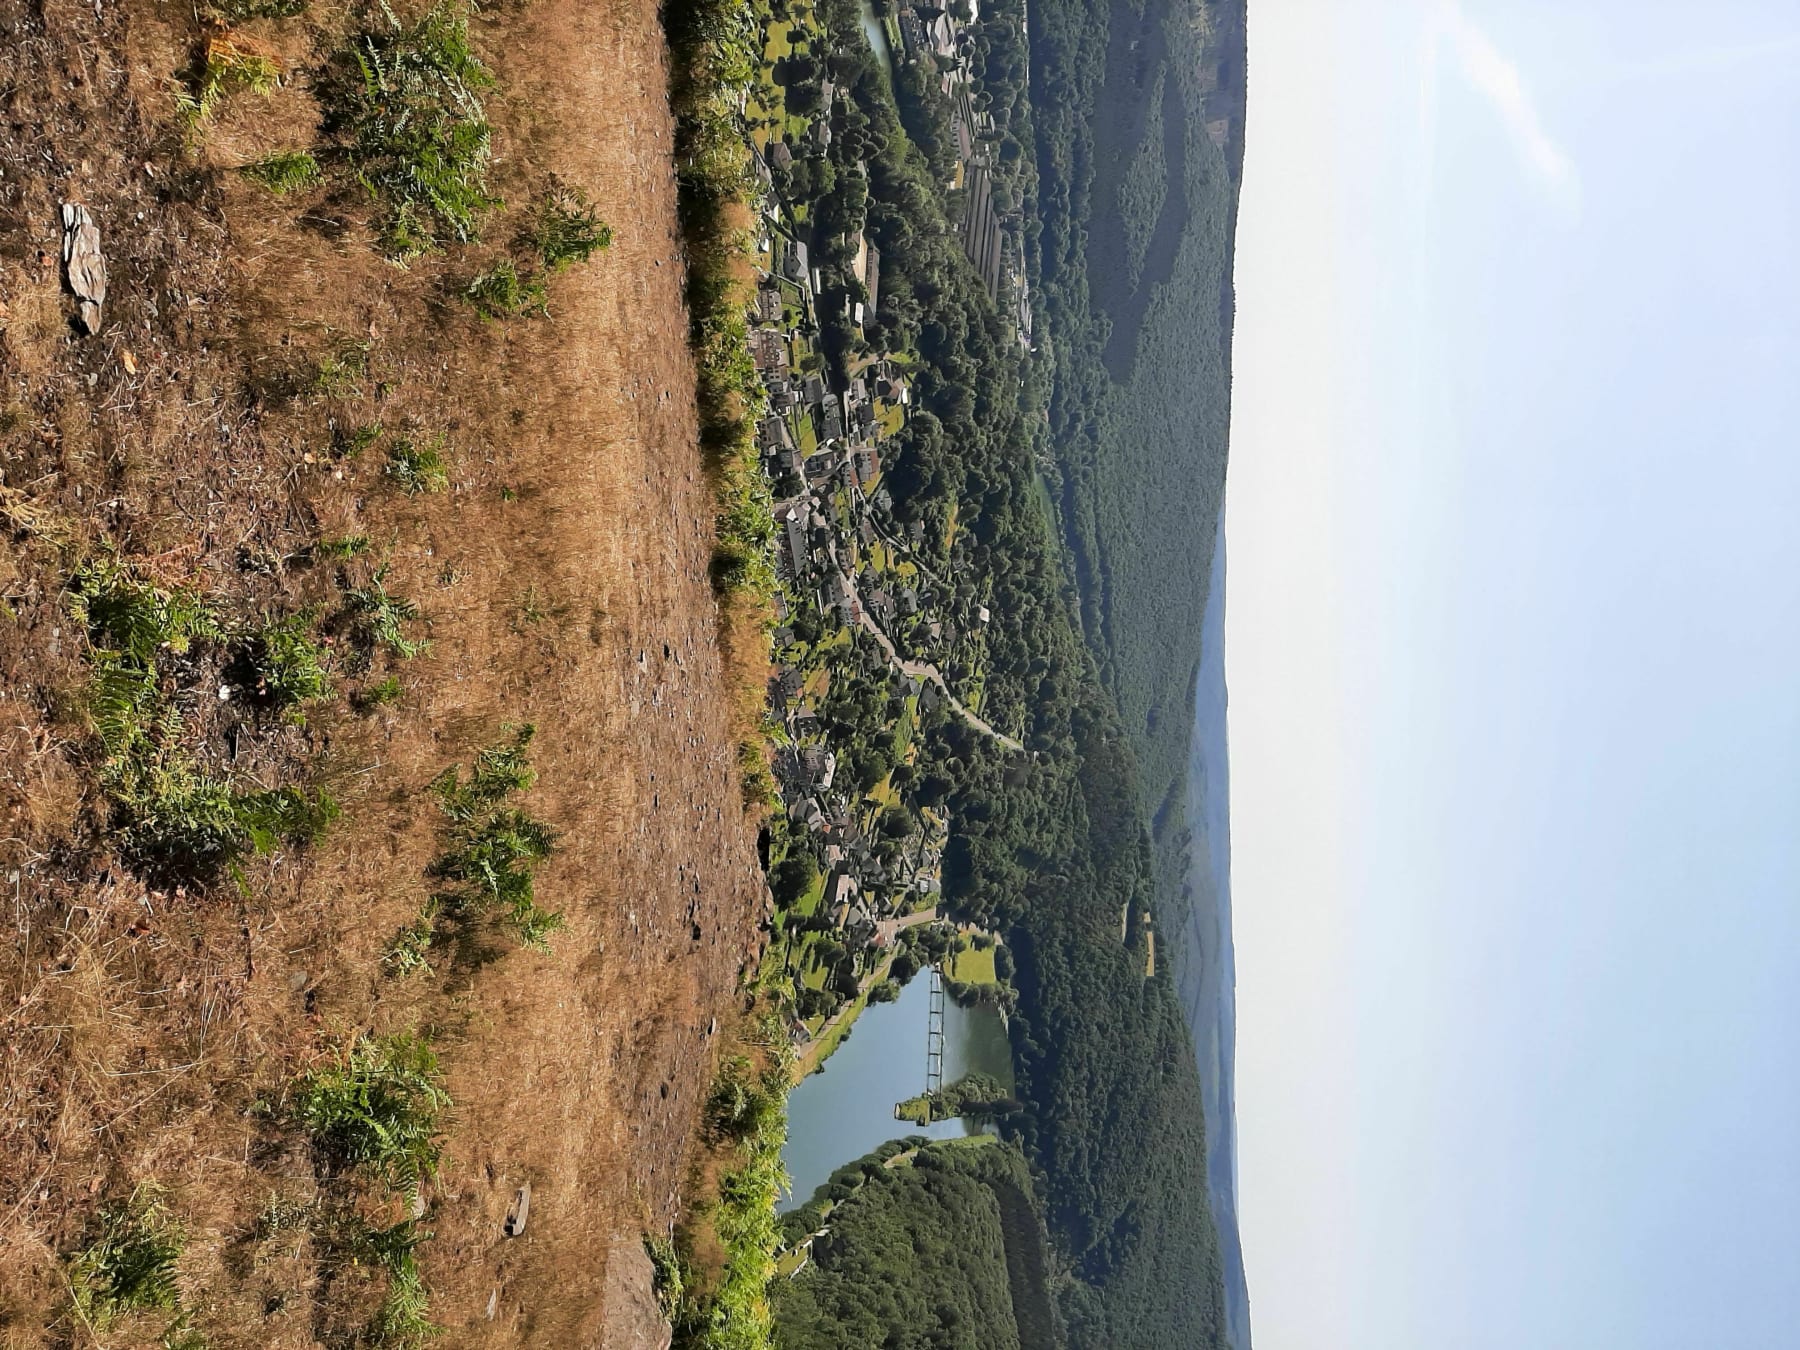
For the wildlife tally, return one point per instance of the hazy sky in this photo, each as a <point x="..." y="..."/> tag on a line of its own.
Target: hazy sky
<point x="1514" y="658"/>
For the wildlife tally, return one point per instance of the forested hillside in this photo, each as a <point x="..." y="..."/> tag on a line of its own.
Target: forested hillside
<point x="922" y="1245"/>
<point x="1048" y="845"/>
<point x="1139" y="124"/>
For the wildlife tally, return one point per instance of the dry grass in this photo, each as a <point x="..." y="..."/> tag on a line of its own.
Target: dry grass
<point x="141" y="1029"/>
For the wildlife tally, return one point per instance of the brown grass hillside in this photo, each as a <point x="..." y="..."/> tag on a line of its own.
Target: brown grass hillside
<point x="152" y="1031"/>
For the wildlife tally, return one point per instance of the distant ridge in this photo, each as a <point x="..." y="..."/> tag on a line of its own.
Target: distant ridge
<point x="1141" y="125"/>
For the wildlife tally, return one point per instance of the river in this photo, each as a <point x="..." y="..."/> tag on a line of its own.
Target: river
<point x="878" y="39"/>
<point x="845" y="1110"/>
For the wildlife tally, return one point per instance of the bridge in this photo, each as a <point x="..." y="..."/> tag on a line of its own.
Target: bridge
<point x="934" y="1036"/>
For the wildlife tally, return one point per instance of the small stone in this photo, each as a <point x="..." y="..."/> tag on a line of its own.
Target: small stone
<point x="520" y="1212"/>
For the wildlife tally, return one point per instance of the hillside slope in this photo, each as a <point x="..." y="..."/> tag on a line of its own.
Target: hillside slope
<point x="1140" y="114"/>
<point x="159" y="1027"/>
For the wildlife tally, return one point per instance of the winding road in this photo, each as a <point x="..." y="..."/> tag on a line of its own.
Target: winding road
<point x="918" y="670"/>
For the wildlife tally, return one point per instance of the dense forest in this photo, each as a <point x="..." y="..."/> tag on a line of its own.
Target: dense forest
<point x="1139" y="142"/>
<point x="924" y="1247"/>
<point x="1048" y="846"/>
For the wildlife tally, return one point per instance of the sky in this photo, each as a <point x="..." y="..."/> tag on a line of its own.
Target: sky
<point x="1513" y="648"/>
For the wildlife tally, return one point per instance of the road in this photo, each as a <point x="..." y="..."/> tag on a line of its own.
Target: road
<point x="918" y="670"/>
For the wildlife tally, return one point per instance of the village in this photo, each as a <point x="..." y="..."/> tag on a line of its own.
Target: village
<point x="865" y="626"/>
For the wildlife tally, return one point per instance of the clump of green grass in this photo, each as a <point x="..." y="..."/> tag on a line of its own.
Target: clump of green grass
<point x="379" y="1111"/>
<point x="243" y="11"/>
<point x="341" y="372"/>
<point x="501" y="293"/>
<point x="667" y="1276"/>
<point x="494" y="849"/>
<point x="407" y="97"/>
<point x="284" y="172"/>
<point x="380" y="617"/>
<point x="174" y="819"/>
<point x="743" y="1104"/>
<point x="129" y="1266"/>
<point x="349" y="442"/>
<point x="535" y="608"/>
<point x="288" y="667"/>
<point x="410" y="949"/>
<point x="380" y="693"/>
<point x="224" y="69"/>
<point x="747" y="1113"/>
<point x="342" y="547"/>
<point x="418" y="468"/>
<point x="567" y="228"/>
<point x="403" y="1321"/>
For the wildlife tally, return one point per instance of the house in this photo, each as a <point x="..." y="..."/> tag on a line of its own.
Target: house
<point x="863" y="419"/>
<point x="979" y="230"/>
<point x="789" y="461"/>
<point x="871" y="277"/>
<point x="793" y="522"/>
<point x="772" y="436"/>
<point x="780" y="156"/>
<point x="834" y="418"/>
<point x="785" y="687"/>
<point x="813" y="391"/>
<point x="806" y="812"/>
<point x="912" y="32"/>
<point x="868" y="465"/>
<point x="769" y="304"/>
<point x="844" y="599"/>
<point x="796" y="265"/>
<point x="820" y="765"/>
<point x="842" y="889"/>
<point x="940" y="35"/>
<point x="981" y="613"/>
<point x="768" y="350"/>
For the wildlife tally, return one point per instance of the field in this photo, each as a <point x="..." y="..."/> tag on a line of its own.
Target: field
<point x="154" y="1030"/>
<point x="973" y="965"/>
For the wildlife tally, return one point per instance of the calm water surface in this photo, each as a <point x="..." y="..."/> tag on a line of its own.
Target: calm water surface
<point x="877" y="35"/>
<point x="836" y="1116"/>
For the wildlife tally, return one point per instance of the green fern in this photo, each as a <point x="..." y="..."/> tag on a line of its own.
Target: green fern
<point x="130" y="1264"/>
<point x="284" y="172"/>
